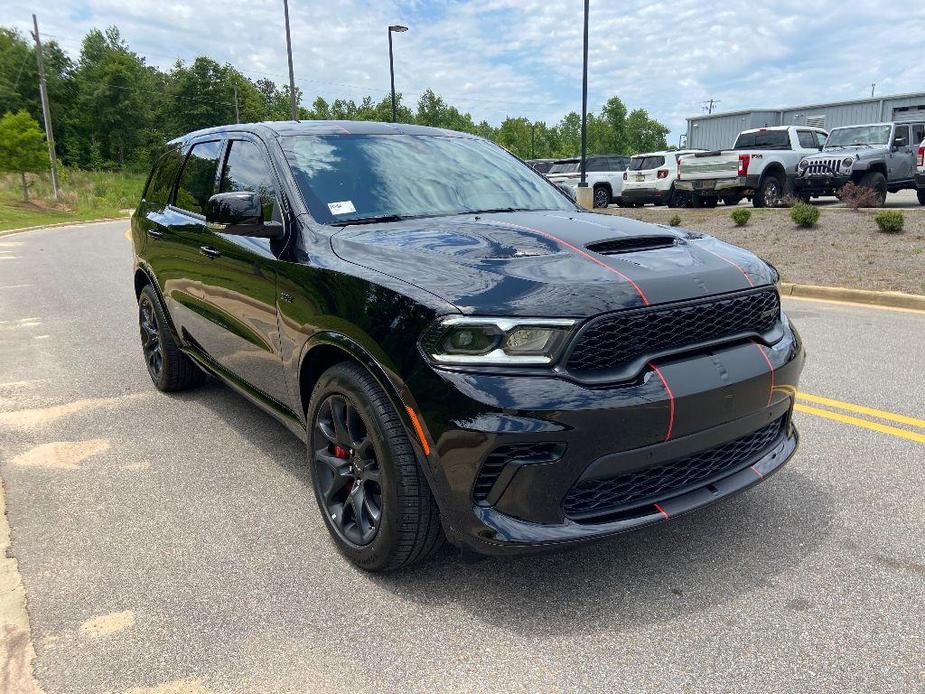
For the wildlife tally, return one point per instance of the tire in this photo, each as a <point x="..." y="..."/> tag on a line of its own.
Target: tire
<point x="770" y="192"/>
<point x="876" y="181"/>
<point x="921" y="194"/>
<point x="601" y="196"/>
<point x="679" y="198"/>
<point x="368" y="482"/>
<point x="170" y="370"/>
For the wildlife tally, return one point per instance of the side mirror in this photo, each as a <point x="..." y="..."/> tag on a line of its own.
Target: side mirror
<point x="240" y="214"/>
<point x="899" y="142"/>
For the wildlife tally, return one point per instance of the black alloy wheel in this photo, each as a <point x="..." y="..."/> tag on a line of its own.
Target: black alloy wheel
<point x="347" y="470"/>
<point x="150" y="337"/>
<point x="601" y="197"/>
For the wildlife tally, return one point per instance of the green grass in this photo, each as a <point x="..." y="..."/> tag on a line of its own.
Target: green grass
<point x="84" y="195"/>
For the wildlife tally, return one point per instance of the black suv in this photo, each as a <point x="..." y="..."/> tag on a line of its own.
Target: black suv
<point x="466" y="353"/>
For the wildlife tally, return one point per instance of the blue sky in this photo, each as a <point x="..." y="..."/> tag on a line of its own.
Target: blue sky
<point x="523" y="57"/>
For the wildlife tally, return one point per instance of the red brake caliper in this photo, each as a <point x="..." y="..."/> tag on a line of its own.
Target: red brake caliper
<point x="343" y="454"/>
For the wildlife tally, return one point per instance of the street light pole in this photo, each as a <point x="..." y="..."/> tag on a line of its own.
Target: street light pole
<point x="583" y="183"/>
<point x="397" y="28"/>
<point x="292" y="99"/>
<point x="46" y="110"/>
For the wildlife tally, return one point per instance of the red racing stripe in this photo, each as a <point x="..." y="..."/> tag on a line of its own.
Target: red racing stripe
<point x="761" y="349"/>
<point x="584" y="254"/>
<point x="658" y="372"/>
<point x="661" y="510"/>
<point x="736" y="266"/>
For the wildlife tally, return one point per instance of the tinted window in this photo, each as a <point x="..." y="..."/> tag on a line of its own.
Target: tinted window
<point x="197" y="182"/>
<point x="821" y="138"/>
<point x="564" y="167"/>
<point x="542" y="166"/>
<point x="918" y="133"/>
<point x="345" y="177"/>
<point x="246" y="170"/>
<point x="646" y="163"/>
<point x="902" y="131"/>
<point x="598" y="164"/>
<point x="160" y="186"/>
<point x="807" y="139"/>
<point x="763" y="139"/>
<point x="619" y="163"/>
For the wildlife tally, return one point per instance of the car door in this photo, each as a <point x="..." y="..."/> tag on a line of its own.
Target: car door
<point x="173" y="247"/>
<point x="237" y="327"/>
<point x="902" y="159"/>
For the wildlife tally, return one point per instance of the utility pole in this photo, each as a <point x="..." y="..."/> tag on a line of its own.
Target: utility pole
<point x="708" y="105"/>
<point x="237" y="113"/>
<point x="295" y="112"/>
<point x="46" y="112"/>
<point x="583" y="183"/>
<point x="533" y="140"/>
<point x="872" y="87"/>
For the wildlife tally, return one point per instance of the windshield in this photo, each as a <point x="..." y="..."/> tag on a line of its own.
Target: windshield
<point x="645" y="163"/>
<point x="565" y="167"/>
<point x="353" y="177"/>
<point x="861" y="135"/>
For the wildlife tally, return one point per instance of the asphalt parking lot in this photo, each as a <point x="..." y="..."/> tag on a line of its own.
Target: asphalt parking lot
<point x="172" y="543"/>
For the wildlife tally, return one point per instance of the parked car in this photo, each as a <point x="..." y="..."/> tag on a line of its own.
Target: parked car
<point x="879" y="156"/>
<point x="603" y="174"/>
<point x="920" y="173"/>
<point x="541" y="165"/>
<point x="650" y="178"/>
<point x="761" y="165"/>
<point x="466" y="352"/>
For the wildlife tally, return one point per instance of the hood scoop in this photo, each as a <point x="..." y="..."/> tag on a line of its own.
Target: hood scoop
<point x="632" y="244"/>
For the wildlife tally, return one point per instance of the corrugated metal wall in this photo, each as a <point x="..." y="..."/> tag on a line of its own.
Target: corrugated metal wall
<point x="719" y="131"/>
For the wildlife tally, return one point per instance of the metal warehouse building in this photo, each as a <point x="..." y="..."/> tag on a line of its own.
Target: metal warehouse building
<point x="719" y="130"/>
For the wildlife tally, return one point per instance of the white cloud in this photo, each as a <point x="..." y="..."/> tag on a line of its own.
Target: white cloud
<point x="523" y="57"/>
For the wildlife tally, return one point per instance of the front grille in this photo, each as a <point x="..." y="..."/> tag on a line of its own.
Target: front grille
<point x="823" y="167"/>
<point x="520" y="453"/>
<point x="591" y="499"/>
<point x="614" y="340"/>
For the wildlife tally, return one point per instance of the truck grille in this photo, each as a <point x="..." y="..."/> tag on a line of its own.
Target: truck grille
<point x="592" y="500"/>
<point x="823" y="167"/>
<point x="615" y="340"/>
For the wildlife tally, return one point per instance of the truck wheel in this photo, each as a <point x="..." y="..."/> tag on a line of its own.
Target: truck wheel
<point x="601" y="196"/>
<point x="876" y="181"/>
<point x="679" y="198"/>
<point x="770" y="192"/>
<point x="921" y="193"/>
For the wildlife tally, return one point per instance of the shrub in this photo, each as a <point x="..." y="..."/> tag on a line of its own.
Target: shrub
<point x="674" y="221"/>
<point x="890" y="221"/>
<point x="855" y="196"/>
<point x="741" y="216"/>
<point x="804" y="215"/>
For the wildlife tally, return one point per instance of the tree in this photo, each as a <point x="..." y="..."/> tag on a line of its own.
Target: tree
<point x="644" y="134"/>
<point x="22" y="147"/>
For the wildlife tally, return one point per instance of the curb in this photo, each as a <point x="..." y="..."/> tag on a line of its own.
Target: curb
<point x="7" y="232"/>
<point x="857" y="296"/>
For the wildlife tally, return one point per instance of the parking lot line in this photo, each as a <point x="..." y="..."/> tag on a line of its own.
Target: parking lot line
<point x="861" y="409"/>
<point x="863" y="423"/>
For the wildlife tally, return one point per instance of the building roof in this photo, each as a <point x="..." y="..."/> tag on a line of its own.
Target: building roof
<point x="867" y="100"/>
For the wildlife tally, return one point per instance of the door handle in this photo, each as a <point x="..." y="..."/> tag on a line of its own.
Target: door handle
<point x="210" y="252"/>
<point x="154" y="233"/>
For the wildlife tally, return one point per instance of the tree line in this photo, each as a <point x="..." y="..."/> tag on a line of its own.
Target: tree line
<point x="110" y="109"/>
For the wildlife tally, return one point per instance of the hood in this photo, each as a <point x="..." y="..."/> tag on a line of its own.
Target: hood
<point x="854" y="151"/>
<point x="556" y="263"/>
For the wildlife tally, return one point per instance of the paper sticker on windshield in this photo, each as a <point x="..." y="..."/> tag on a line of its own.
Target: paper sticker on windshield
<point x="342" y="207"/>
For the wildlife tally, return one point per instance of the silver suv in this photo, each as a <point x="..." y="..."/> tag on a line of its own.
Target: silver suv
<point x="879" y="156"/>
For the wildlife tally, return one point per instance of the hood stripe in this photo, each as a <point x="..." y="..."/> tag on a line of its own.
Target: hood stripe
<point x="726" y="260"/>
<point x="579" y="251"/>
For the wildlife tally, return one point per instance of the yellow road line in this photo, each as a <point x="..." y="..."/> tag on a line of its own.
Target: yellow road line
<point x="860" y="409"/>
<point x="863" y="423"/>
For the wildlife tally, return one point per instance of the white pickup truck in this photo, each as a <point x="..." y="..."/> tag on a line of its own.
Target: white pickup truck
<point x="761" y="165"/>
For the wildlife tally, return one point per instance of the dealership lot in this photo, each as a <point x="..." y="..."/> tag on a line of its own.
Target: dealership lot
<point x="174" y="539"/>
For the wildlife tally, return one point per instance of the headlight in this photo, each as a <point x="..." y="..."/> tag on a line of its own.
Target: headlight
<point x="847" y="162"/>
<point x="497" y="341"/>
<point x="803" y="164"/>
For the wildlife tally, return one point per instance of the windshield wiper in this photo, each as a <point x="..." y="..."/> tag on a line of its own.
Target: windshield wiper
<point x="371" y="220"/>
<point x="498" y="209"/>
<point x="858" y="144"/>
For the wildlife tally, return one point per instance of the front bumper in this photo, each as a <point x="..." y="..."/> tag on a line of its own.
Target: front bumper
<point x="819" y="184"/>
<point x="599" y="432"/>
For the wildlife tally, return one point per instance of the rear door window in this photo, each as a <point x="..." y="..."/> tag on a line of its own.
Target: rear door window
<point x="807" y="139"/>
<point x="197" y="181"/>
<point x="160" y="186"/>
<point x="646" y="163"/>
